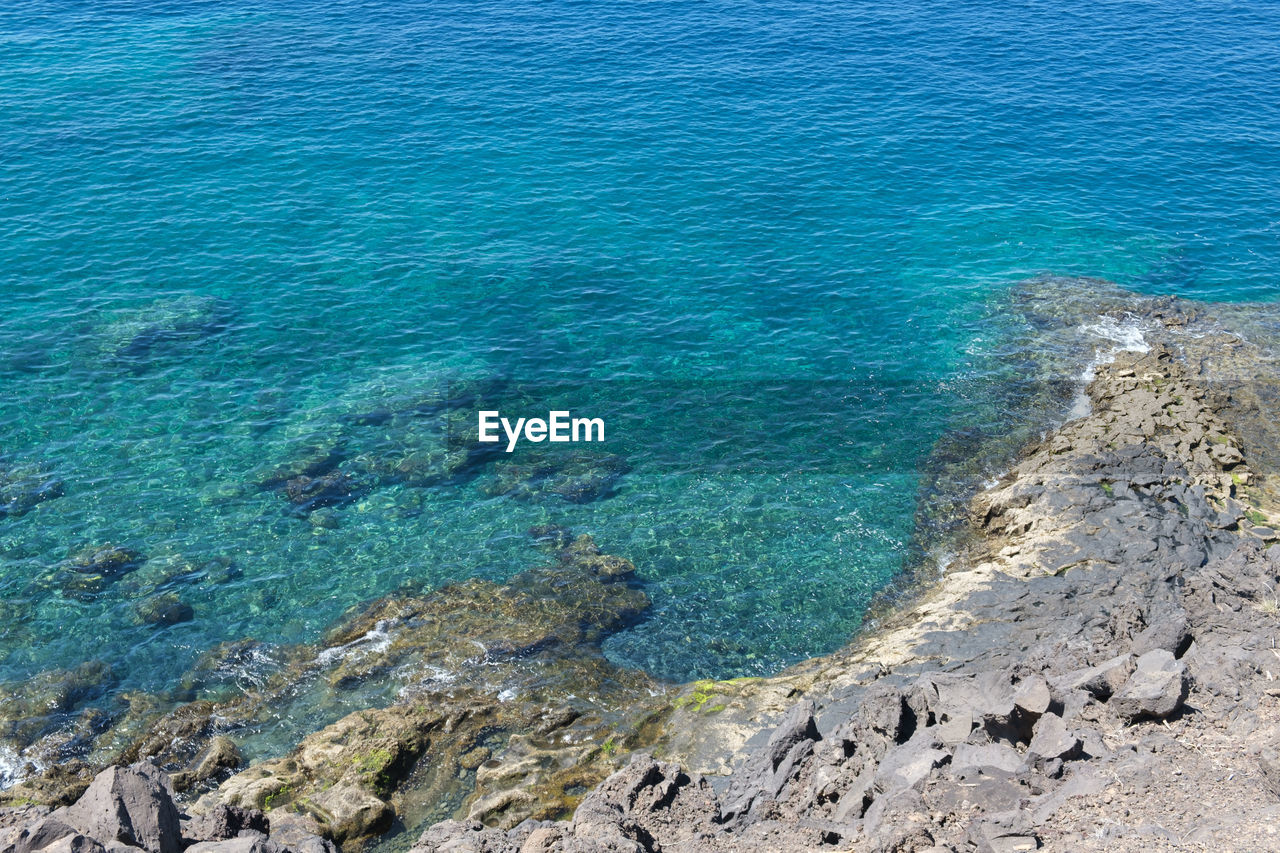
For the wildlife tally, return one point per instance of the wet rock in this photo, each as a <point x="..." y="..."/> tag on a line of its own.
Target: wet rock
<point x="574" y="603"/>
<point x="220" y="758"/>
<point x="32" y="707"/>
<point x="90" y="571"/>
<point x="344" y="772"/>
<point x="59" y="785"/>
<point x="1156" y="689"/>
<point x="312" y="461"/>
<point x="107" y="560"/>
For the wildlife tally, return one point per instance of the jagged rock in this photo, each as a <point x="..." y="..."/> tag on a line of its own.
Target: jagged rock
<point x="644" y="801"/>
<point x="970" y="756"/>
<point x="132" y="805"/>
<point x="1053" y="740"/>
<point x="907" y="766"/>
<point x="1156" y="689"/>
<point x="1032" y="695"/>
<point x="247" y="842"/>
<point x="224" y="822"/>
<point x="74" y="844"/>
<point x="299" y="833"/>
<point x="796" y="727"/>
<point x="220" y="757"/>
<point x="39" y="834"/>
<point x="1169" y="631"/>
<point x="1099" y="681"/>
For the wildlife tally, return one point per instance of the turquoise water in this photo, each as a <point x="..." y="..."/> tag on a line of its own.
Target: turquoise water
<point x="767" y="242"/>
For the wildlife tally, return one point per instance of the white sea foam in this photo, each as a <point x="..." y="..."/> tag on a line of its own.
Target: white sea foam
<point x="10" y="767"/>
<point x="13" y="765"/>
<point x="377" y="639"/>
<point x="1124" y="335"/>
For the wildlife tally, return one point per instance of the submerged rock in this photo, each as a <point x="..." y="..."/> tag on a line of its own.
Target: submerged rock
<point x="333" y="489"/>
<point x="504" y="701"/>
<point x="106" y="560"/>
<point x="133" y="335"/>
<point x="24" y="487"/>
<point x="164" y="609"/>
<point x="579" y="477"/>
<point x="91" y="571"/>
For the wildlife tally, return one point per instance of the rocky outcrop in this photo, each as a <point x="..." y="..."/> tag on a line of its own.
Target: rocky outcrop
<point x="132" y="808"/>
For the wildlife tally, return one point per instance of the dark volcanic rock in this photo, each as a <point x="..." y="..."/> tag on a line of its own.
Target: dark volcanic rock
<point x="1108" y="575"/>
<point x="132" y="808"/>
<point x="1156" y="689"/>
<point x="131" y="805"/>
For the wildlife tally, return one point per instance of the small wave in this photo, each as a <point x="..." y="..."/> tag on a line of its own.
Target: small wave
<point x="377" y="639"/>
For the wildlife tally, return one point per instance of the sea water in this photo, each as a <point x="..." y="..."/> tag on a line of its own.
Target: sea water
<point x="769" y="243"/>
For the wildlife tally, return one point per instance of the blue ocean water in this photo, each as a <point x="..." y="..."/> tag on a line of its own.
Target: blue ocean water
<point x="766" y="241"/>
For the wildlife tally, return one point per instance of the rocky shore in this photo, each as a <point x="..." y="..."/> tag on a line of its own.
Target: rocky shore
<point x="1095" y="670"/>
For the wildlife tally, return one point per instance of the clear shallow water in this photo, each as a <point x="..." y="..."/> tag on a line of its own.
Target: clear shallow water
<point x="768" y="243"/>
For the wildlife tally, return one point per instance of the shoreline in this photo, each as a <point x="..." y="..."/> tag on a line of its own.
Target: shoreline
<point x="863" y="748"/>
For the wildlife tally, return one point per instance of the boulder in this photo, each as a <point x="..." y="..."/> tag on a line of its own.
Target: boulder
<point x="164" y="609"/>
<point x="647" y="799"/>
<point x="968" y="756"/>
<point x="1032" y="695"/>
<point x="1169" y="631"/>
<point x="1052" y="740"/>
<point x="1156" y="689"/>
<point x="224" y="822"/>
<point x="132" y="805"/>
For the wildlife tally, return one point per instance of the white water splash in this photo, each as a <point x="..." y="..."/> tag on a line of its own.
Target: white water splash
<point x="377" y="639"/>
<point x="13" y="765"/>
<point x="1124" y="335"/>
